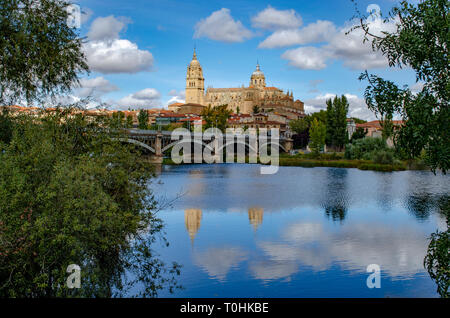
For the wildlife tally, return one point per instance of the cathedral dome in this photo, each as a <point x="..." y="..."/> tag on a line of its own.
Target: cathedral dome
<point x="258" y="79"/>
<point x="257" y="72"/>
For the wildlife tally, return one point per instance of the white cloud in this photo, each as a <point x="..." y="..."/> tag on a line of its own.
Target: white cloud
<point x="273" y="19"/>
<point x="176" y="97"/>
<point x="218" y="261"/>
<point x="146" y="98"/>
<point x="107" y="28"/>
<point x="106" y="53"/>
<point x="340" y="45"/>
<point x="351" y="49"/>
<point x="95" y="87"/>
<point x="320" y="31"/>
<point x="118" y="56"/>
<point x="399" y="251"/>
<point x="220" y="26"/>
<point x="357" y="106"/>
<point x="309" y="58"/>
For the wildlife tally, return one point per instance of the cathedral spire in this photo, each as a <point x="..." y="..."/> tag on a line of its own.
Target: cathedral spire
<point x="194" y="57"/>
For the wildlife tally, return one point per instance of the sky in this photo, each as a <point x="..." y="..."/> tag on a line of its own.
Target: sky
<point x="138" y="51"/>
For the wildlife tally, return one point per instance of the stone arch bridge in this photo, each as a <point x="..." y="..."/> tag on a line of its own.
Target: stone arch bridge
<point x="157" y="143"/>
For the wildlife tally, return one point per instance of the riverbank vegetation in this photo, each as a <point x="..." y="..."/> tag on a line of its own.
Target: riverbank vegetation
<point x="73" y="194"/>
<point x="70" y="192"/>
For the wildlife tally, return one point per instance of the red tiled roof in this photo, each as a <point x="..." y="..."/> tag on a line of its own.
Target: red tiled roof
<point x="377" y="124"/>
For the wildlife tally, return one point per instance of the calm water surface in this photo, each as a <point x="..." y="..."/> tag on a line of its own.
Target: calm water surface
<point x="303" y="232"/>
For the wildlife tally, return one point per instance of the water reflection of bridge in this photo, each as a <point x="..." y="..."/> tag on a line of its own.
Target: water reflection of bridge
<point x="157" y="143"/>
<point x="193" y="217"/>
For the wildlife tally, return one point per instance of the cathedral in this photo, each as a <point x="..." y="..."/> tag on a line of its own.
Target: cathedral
<point x="239" y="99"/>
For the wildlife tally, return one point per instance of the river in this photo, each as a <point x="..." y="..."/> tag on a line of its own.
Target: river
<point x="303" y="232"/>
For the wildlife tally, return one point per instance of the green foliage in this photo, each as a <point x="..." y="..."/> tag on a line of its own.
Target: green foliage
<point x="420" y="42"/>
<point x="255" y="109"/>
<point x="40" y="55"/>
<point x="299" y="126"/>
<point x="359" y="121"/>
<point x="118" y="120"/>
<point x="216" y="117"/>
<point x="143" y="119"/>
<point x="365" y="148"/>
<point x="358" y="134"/>
<point x="71" y="194"/>
<point x="437" y="261"/>
<point x="336" y="121"/>
<point x="323" y="156"/>
<point x="6" y="126"/>
<point x="383" y="157"/>
<point x="317" y="134"/>
<point x="321" y="116"/>
<point x="129" y="123"/>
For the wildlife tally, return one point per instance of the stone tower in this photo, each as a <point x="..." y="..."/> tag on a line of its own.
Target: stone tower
<point x="195" y="83"/>
<point x="258" y="79"/>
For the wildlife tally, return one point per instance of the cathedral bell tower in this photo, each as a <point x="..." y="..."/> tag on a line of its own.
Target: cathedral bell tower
<point x="195" y="83"/>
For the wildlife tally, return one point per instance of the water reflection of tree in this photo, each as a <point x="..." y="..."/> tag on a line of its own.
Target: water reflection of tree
<point x="336" y="212"/>
<point x="422" y="205"/>
<point x="335" y="198"/>
<point x="136" y="272"/>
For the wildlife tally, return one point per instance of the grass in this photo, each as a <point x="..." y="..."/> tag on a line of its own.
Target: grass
<point x="335" y="161"/>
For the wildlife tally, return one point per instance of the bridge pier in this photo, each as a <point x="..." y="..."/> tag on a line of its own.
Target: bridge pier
<point x="155" y="159"/>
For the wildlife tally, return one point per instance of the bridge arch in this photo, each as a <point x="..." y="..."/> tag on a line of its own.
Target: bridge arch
<point x="136" y="142"/>
<point x="167" y="147"/>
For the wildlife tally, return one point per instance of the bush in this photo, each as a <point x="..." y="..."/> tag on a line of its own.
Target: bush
<point x="383" y="157"/>
<point x="374" y="149"/>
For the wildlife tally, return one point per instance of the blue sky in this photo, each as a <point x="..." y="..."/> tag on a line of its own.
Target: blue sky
<point x="138" y="50"/>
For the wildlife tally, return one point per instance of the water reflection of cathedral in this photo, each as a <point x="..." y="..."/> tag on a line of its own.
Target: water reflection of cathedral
<point x="255" y="216"/>
<point x="192" y="218"/>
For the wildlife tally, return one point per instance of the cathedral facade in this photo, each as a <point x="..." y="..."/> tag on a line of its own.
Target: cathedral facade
<point x="239" y="99"/>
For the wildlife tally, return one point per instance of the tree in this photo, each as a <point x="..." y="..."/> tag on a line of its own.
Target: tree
<point x="420" y="41"/>
<point x="358" y="134"/>
<point x="129" y="123"/>
<point x="40" y="55"/>
<point x="216" y="117"/>
<point x="6" y="126"/>
<point x="317" y="133"/>
<point x="358" y="120"/>
<point x="299" y="126"/>
<point x="255" y="109"/>
<point x="336" y="121"/>
<point x="72" y="194"/>
<point x="143" y="119"/>
<point x="118" y="119"/>
<point x="437" y="259"/>
<point x="320" y="116"/>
